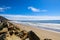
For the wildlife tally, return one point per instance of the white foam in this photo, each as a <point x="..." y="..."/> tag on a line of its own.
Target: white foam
<point x="49" y="26"/>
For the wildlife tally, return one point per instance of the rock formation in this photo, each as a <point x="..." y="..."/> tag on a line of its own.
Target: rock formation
<point x="9" y="31"/>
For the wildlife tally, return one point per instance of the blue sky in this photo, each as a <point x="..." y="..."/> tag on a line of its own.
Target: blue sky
<point x="30" y="7"/>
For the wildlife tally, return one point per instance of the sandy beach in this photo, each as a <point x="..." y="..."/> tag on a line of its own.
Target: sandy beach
<point x="42" y="34"/>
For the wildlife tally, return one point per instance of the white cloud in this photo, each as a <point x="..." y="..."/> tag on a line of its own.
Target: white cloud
<point x="2" y="9"/>
<point x="36" y="9"/>
<point x="22" y="17"/>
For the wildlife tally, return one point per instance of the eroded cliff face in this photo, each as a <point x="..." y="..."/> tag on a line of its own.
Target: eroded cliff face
<point x="9" y="31"/>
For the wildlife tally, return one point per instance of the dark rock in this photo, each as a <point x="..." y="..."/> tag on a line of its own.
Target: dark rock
<point x="32" y="36"/>
<point x="3" y="19"/>
<point x="3" y="36"/>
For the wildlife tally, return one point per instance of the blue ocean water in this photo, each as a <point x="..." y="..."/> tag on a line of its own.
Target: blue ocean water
<point x="41" y="21"/>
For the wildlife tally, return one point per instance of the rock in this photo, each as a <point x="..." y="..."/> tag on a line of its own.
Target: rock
<point x="3" y="19"/>
<point x="32" y="36"/>
<point x="8" y="31"/>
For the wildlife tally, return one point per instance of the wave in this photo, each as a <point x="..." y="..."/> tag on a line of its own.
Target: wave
<point x="45" y="26"/>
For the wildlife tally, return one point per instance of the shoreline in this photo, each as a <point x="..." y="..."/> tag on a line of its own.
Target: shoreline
<point x="42" y="28"/>
<point x="39" y="32"/>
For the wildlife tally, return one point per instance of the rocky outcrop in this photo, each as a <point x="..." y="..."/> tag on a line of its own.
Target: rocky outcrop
<point x="7" y="30"/>
<point x="3" y="19"/>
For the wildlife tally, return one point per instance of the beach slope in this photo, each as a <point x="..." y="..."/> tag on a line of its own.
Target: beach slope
<point x="42" y="34"/>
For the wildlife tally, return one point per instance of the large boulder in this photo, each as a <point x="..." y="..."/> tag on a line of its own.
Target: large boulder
<point x="32" y="36"/>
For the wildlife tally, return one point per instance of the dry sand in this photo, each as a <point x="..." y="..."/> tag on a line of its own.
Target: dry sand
<point x="13" y="37"/>
<point x="42" y="34"/>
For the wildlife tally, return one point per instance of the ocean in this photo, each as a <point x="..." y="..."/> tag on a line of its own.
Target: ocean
<point x="50" y="25"/>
